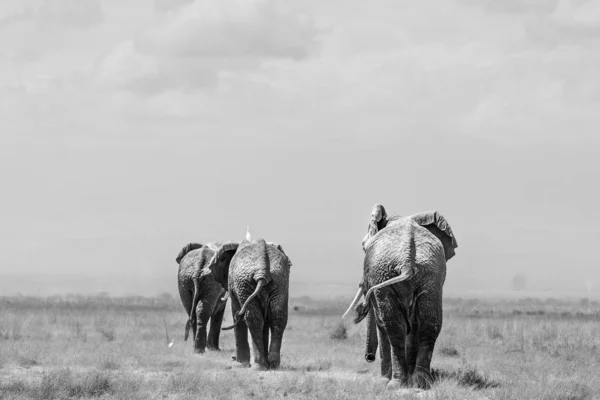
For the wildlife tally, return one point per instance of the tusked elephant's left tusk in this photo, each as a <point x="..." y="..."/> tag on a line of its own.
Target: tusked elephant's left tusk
<point x="354" y="302"/>
<point x="224" y="298"/>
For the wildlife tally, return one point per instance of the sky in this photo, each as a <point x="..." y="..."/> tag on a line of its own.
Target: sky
<point x="129" y="128"/>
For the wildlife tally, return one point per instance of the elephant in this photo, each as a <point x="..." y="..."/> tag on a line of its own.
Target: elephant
<point x="259" y="290"/>
<point x="202" y="280"/>
<point x="403" y="277"/>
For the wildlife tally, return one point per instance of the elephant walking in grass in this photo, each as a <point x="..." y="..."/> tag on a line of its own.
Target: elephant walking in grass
<point x="202" y="279"/>
<point x="403" y="279"/>
<point x="259" y="289"/>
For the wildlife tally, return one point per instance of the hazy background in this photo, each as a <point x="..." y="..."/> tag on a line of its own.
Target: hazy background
<point x="129" y="128"/>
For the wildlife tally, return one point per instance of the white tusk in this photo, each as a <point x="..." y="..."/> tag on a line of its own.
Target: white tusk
<point x="224" y="298"/>
<point x="354" y="302"/>
<point x="402" y="277"/>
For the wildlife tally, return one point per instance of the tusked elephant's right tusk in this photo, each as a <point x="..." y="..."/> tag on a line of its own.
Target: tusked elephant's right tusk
<point x="224" y="298"/>
<point x="354" y="302"/>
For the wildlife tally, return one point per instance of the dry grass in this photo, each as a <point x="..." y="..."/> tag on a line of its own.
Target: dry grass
<point x="67" y="348"/>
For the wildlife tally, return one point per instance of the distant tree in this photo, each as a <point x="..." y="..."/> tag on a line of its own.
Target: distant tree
<point x="166" y="297"/>
<point x="519" y="282"/>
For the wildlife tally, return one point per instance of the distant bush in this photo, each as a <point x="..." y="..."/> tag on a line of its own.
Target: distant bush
<point x="79" y="302"/>
<point x="493" y="331"/>
<point x="449" y="351"/>
<point x="107" y="331"/>
<point x="468" y="377"/>
<point x="339" y="332"/>
<point x="472" y="378"/>
<point x="64" y="384"/>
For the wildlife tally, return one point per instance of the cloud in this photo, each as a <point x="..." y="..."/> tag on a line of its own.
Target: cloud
<point x="77" y="14"/>
<point x="169" y="5"/>
<point x="126" y="69"/>
<point x="192" y="46"/>
<point x="230" y="28"/>
<point x="16" y="17"/>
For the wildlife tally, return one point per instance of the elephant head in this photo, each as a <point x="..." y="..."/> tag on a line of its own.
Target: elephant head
<point x="378" y="221"/>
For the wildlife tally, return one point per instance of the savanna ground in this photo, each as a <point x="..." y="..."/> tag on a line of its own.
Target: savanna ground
<point x="115" y="348"/>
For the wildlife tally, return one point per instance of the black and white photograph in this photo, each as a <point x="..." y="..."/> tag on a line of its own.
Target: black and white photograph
<point x="299" y="199"/>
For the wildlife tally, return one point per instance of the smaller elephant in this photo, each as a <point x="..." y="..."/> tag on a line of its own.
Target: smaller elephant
<point x="202" y="281"/>
<point x="259" y="290"/>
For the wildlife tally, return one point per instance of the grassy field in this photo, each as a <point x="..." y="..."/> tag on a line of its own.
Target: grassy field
<point x="113" y="348"/>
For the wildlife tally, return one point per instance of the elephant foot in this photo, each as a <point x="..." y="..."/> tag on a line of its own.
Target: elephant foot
<point x="274" y="360"/>
<point x="199" y="351"/>
<point x="383" y="380"/>
<point x="245" y="363"/>
<point x="259" y="367"/>
<point x="213" y="348"/>
<point x="421" y="379"/>
<point x="396" y="384"/>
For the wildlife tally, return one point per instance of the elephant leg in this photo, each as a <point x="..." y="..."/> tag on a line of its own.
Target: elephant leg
<point x="394" y="325"/>
<point x="385" y="354"/>
<point x="202" y="317"/>
<point x="430" y="325"/>
<point x="277" y="323"/>
<point x="186" y="301"/>
<point x="412" y="346"/>
<point x="215" y="330"/>
<point x="265" y="338"/>
<point x="241" y="334"/>
<point x="255" y="322"/>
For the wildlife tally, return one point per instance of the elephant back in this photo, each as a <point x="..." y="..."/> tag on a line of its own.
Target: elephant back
<point x="251" y="261"/>
<point x="432" y="221"/>
<point x="193" y="261"/>
<point x="391" y="248"/>
<point x="257" y="260"/>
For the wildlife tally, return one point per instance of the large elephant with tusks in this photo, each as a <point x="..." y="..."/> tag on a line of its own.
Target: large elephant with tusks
<point x="259" y="289"/>
<point x="403" y="277"/>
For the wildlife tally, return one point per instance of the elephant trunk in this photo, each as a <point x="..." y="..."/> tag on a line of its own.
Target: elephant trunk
<point x="372" y="341"/>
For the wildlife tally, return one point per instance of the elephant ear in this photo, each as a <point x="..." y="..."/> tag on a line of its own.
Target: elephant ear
<point x="435" y="223"/>
<point x="222" y="256"/>
<point x="227" y="249"/>
<point x="377" y="222"/>
<point x="278" y="247"/>
<point x="186" y="249"/>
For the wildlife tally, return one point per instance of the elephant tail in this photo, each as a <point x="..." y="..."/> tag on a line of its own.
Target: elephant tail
<point x="192" y="317"/>
<point x="240" y="314"/>
<point x="188" y="325"/>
